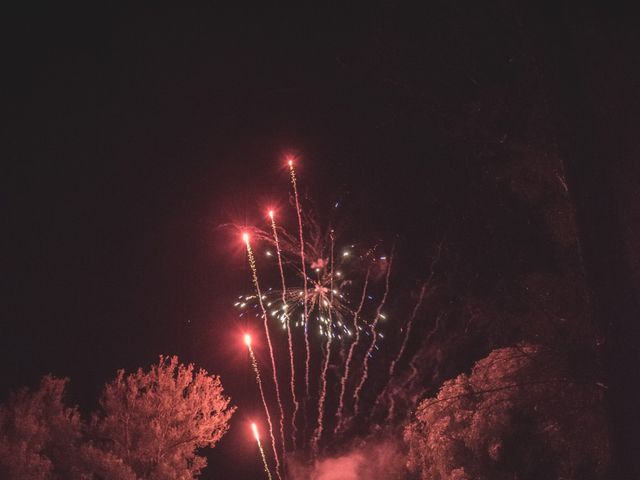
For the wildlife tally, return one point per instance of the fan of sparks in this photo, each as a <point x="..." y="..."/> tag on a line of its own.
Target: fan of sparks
<point x="333" y="292"/>
<point x="326" y="299"/>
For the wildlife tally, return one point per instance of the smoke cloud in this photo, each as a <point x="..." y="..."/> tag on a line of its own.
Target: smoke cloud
<point x="369" y="460"/>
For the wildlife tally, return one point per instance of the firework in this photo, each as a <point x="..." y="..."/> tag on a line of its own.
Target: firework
<point x="254" y="271"/>
<point x="287" y="322"/>
<point x="314" y="293"/>
<point x="345" y="377"/>
<point x="294" y="184"/>
<point x="374" y="334"/>
<point x="327" y="358"/>
<point x="407" y="332"/>
<point x="254" y="428"/>
<point x="325" y="294"/>
<point x="410" y="381"/>
<point x="403" y="346"/>
<point x="256" y="370"/>
<point x="412" y="318"/>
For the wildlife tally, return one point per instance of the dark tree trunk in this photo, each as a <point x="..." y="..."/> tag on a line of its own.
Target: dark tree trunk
<point x="589" y="101"/>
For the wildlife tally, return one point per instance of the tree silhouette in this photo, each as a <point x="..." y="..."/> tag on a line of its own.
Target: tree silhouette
<point x="156" y="420"/>
<point x="521" y="412"/>
<point x="149" y="425"/>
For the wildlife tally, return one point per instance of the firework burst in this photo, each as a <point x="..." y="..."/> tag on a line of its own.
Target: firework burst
<point x="331" y="291"/>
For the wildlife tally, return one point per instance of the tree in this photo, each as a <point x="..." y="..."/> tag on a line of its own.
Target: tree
<point x="156" y="420"/>
<point x="521" y="413"/>
<point x="35" y="430"/>
<point x="149" y="426"/>
<point x="41" y="439"/>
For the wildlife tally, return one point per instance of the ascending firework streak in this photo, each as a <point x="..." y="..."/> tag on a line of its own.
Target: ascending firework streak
<point x="409" y="382"/>
<point x="374" y="334"/>
<point x="345" y="377"/>
<point x="392" y="367"/>
<point x="264" y="459"/>
<point x="327" y="356"/>
<point x="407" y="332"/>
<point x="304" y="277"/>
<point x="254" y="363"/>
<point x="254" y="272"/>
<point x="288" y="327"/>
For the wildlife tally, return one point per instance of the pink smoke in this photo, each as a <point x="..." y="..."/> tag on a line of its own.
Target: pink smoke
<point x="380" y="460"/>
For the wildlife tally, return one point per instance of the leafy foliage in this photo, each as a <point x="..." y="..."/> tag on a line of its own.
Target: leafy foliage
<point x="149" y="426"/>
<point x="36" y="430"/>
<point x="519" y="414"/>
<point x="156" y="420"/>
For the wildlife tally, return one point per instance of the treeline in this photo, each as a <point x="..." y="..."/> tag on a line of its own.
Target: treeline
<point x="148" y="425"/>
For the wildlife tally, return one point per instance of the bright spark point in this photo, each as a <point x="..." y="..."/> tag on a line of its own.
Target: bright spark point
<point x="254" y="428"/>
<point x="271" y="214"/>
<point x="245" y="237"/>
<point x="345" y="254"/>
<point x="247" y="341"/>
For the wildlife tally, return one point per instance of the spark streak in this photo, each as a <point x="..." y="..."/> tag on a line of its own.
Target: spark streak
<point x="409" y="382"/>
<point x="254" y="428"/>
<point x="407" y="332"/>
<point x="304" y="276"/>
<point x="374" y="335"/>
<point x="254" y="271"/>
<point x="288" y="327"/>
<point x="327" y="358"/>
<point x="345" y="377"/>
<point x="254" y="364"/>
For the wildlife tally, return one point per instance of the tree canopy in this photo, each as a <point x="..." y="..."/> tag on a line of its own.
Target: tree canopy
<point x="521" y="411"/>
<point x="149" y="425"/>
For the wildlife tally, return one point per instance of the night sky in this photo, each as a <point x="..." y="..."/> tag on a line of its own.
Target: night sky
<point x="131" y="135"/>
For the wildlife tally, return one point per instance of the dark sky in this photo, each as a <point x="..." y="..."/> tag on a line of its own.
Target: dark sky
<point x="130" y="135"/>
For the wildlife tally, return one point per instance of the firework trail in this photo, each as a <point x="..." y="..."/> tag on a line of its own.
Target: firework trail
<point x="304" y="277"/>
<point x="403" y="386"/>
<point x="407" y="331"/>
<point x="288" y="327"/>
<point x="409" y="383"/>
<point x="264" y="459"/>
<point x="254" y="363"/>
<point x="374" y="334"/>
<point x="409" y="326"/>
<point x="327" y="357"/>
<point x="254" y="271"/>
<point x="345" y="377"/>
